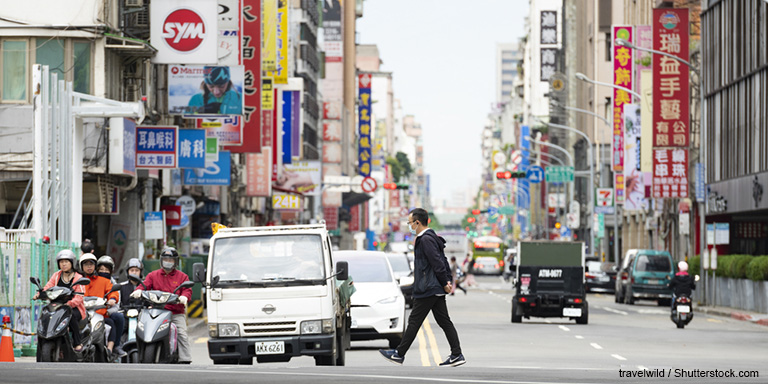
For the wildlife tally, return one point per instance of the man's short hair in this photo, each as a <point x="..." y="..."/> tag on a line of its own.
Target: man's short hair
<point x="421" y="215"/>
<point x="87" y="246"/>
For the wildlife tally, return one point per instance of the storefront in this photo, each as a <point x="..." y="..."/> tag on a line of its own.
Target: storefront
<point x="741" y="203"/>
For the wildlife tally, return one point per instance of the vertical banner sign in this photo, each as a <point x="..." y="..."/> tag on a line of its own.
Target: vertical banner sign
<point x="549" y="41"/>
<point x="156" y="147"/>
<point x="670" y="173"/>
<point x="191" y="148"/>
<point x="622" y="76"/>
<point x="364" y="121"/>
<point x="269" y="35"/>
<point x="229" y="32"/>
<point x="259" y="167"/>
<point x="642" y="60"/>
<point x="296" y="147"/>
<point x="277" y="138"/>
<point x="548" y="63"/>
<point x="280" y="73"/>
<point x="286" y="130"/>
<point x="267" y="110"/>
<point x="354" y="218"/>
<point x="331" y="215"/>
<point x="671" y="109"/>
<point x="251" y="57"/>
<point x="646" y="120"/>
<point x="634" y="183"/>
<point x="618" y="186"/>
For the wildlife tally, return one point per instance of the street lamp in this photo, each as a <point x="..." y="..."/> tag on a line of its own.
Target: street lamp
<point x="623" y="43"/>
<point x="561" y="149"/>
<point x="591" y="160"/>
<point x="583" y="77"/>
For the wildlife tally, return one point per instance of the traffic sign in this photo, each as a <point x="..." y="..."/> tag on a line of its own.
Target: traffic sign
<point x="604" y="197"/>
<point x="369" y="185"/>
<point x="516" y="158"/>
<point x="535" y="174"/>
<point x="559" y="174"/>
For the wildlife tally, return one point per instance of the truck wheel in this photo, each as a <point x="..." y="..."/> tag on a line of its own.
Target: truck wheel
<point x="329" y="359"/>
<point x="584" y="315"/>
<point x="516" y="318"/>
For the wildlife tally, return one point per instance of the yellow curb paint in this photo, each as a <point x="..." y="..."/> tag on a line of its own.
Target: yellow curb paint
<point x="433" y="342"/>
<point x="423" y="347"/>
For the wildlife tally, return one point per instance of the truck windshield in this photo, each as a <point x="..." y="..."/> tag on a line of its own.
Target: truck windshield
<point x="269" y="259"/>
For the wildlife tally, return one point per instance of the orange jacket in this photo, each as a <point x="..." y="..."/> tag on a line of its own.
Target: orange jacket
<point x="99" y="287"/>
<point x="77" y="301"/>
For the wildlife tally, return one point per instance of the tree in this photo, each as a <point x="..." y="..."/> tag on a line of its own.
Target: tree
<point x="405" y="164"/>
<point x="394" y="166"/>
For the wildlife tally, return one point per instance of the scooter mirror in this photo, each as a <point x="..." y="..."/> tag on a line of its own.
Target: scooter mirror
<point x="82" y="281"/>
<point x="186" y="284"/>
<point x="34" y="280"/>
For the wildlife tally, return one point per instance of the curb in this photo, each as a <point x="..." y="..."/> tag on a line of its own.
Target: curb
<point x="734" y="315"/>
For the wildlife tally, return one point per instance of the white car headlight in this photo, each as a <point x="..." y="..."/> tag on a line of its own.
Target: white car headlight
<point x="388" y="300"/>
<point x="311" y="327"/>
<point x="229" y="330"/>
<point x="141" y="326"/>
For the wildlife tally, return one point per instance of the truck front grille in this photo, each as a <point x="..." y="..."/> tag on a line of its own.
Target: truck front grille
<point x="270" y="327"/>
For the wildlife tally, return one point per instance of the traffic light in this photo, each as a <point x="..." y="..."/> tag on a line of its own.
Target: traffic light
<point x="557" y="225"/>
<point x="510" y="175"/>
<point x="402" y="186"/>
<point x="471" y="220"/>
<point x="475" y="211"/>
<point x="390" y="186"/>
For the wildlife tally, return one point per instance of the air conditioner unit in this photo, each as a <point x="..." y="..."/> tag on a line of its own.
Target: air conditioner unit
<point x="134" y="3"/>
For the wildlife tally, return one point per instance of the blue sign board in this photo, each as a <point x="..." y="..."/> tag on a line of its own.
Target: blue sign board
<point x="364" y="129"/>
<point x="285" y="127"/>
<point x="604" y="210"/>
<point x="191" y="148"/>
<point x="535" y="174"/>
<point x="156" y="147"/>
<point x="523" y="197"/>
<point x="700" y="190"/>
<point x="216" y="173"/>
<point x="129" y="153"/>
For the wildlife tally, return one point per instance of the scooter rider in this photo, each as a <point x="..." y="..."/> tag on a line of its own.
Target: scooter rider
<point x="99" y="287"/>
<point x="682" y="284"/>
<point x="136" y="269"/>
<point x="167" y="279"/>
<point x="64" y="277"/>
<point x="104" y="266"/>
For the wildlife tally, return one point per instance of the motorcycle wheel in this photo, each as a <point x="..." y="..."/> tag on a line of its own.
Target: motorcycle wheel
<point x="50" y="351"/>
<point x="133" y="357"/>
<point x="100" y="354"/>
<point x="150" y="354"/>
<point x="681" y="325"/>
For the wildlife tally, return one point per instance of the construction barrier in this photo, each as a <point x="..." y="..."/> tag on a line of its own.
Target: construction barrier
<point x="195" y="308"/>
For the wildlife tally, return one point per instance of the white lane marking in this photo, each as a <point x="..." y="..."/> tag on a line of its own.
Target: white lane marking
<point x="596" y="346"/>
<point x="653" y="311"/>
<point x="580" y="337"/>
<point x="619" y="357"/>
<point x="615" y="311"/>
<point x="564" y="328"/>
<point x="554" y="368"/>
<point x="548" y="321"/>
<point x="235" y="371"/>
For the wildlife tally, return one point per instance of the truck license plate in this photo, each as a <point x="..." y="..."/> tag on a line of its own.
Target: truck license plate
<point x="572" y="312"/>
<point x="270" y="348"/>
<point x="683" y="308"/>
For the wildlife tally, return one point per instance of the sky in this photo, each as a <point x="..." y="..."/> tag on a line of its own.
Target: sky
<point x="442" y="54"/>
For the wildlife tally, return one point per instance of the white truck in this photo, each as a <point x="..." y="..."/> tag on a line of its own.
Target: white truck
<point x="456" y="244"/>
<point x="273" y="293"/>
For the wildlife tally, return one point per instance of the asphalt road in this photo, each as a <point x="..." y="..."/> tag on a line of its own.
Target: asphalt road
<point x="619" y="339"/>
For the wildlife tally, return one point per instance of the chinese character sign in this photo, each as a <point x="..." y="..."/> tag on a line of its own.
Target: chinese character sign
<point x="269" y="28"/>
<point x="548" y="63"/>
<point x="250" y="123"/>
<point x="670" y="173"/>
<point x="191" y="148"/>
<point x="622" y="76"/>
<point x="228" y="130"/>
<point x="280" y="74"/>
<point x="156" y="147"/>
<point x="671" y="98"/>
<point x="633" y="176"/>
<point x="548" y="27"/>
<point x="259" y="168"/>
<point x="364" y="124"/>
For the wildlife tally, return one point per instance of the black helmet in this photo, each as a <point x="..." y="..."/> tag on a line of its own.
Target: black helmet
<point x="66" y="254"/>
<point x="170" y="252"/>
<point x="216" y="75"/>
<point x="106" y="260"/>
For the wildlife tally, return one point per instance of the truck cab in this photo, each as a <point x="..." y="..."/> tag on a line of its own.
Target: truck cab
<point x="273" y="293"/>
<point x="550" y="281"/>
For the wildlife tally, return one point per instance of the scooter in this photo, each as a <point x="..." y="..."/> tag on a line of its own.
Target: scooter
<point x="682" y="311"/>
<point x="156" y="335"/>
<point x="99" y="328"/>
<point x="54" y="343"/>
<point x="130" y="345"/>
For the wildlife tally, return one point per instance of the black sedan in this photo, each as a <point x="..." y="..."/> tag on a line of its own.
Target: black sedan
<point x="600" y="277"/>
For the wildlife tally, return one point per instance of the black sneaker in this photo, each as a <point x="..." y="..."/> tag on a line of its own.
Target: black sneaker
<point x="119" y="352"/>
<point x="392" y="356"/>
<point x="454" y="361"/>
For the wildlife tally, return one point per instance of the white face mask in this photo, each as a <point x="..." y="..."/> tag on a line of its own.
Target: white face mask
<point x="413" y="231"/>
<point x="168" y="264"/>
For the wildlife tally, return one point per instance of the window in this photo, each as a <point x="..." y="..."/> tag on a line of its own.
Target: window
<point x="14" y="73"/>
<point x="82" y="67"/>
<point x="608" y="47"/>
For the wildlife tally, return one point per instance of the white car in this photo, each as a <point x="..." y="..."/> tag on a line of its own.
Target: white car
<point x="378" y="305"/>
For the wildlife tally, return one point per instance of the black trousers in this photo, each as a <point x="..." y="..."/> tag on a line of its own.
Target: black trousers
<point x="421" y="308"/>
<point x="74" y="327"/>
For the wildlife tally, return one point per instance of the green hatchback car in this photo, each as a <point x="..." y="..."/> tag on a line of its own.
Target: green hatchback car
<point x="646" y="276"/>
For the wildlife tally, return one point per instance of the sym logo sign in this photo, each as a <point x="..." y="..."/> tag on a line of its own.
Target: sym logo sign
<point x="184" y="32"/>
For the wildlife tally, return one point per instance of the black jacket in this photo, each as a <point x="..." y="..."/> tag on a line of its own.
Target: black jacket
<point x="126" y="288"/>
<point x="682" y="284"/>
<point x="431" y="270"/>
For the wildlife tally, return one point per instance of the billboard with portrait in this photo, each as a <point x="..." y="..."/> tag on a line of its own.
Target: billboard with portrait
<point x="205" y="90"/>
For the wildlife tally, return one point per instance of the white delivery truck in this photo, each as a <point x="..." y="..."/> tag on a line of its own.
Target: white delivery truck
<point x="273" y="293"/>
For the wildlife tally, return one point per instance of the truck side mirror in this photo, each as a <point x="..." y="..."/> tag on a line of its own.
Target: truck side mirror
<point x="342" y="270"/>
<point x="198" y="272"/>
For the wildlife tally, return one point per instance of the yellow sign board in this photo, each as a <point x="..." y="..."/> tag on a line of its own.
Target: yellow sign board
<point x="286" y="201"/>
<point x="269" y="38"/>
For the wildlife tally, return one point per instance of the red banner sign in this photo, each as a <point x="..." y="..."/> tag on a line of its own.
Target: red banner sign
<point x="354" y="218"/>
<point x="670" y="173"/>
<point x="259" y="168"/>
<point x="671" y="94"/>
<point x="622" y="76"/>
<point x="331" y="215"/>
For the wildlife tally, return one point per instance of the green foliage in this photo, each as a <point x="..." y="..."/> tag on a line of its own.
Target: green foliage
<point x="739" y="266"/>
<point x="405" y="164"/>
<point x="757" y="269"/>
<point x="694" y="265"/>
<point x="434" y="222"/>
<point x="394" y="166"/>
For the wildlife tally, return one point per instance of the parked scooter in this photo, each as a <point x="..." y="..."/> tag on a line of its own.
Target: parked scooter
<point x="156" y="335"/>
<point x="682" y="311"/>
<point x="99" y="329"/>
<point x="54" y="343"/>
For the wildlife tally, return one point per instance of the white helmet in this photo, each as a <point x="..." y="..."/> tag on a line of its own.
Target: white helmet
<point x="87" y="257"/>
<point x="682" y="266"/>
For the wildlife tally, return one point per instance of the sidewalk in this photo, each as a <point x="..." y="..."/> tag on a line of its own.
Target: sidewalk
<point x="738" y="314"/>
